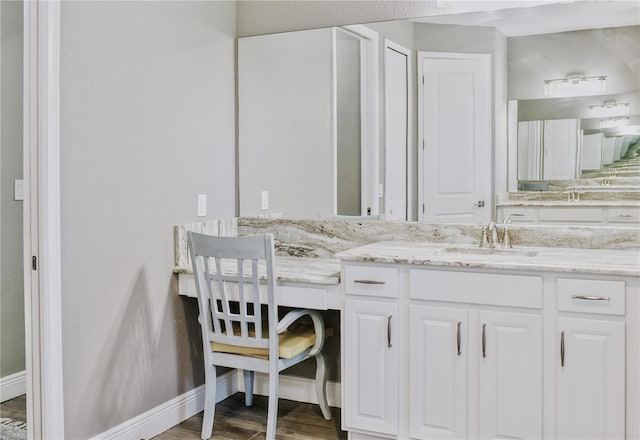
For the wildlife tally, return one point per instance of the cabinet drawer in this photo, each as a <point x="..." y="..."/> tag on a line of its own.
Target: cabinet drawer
<point x="591" y="296"/>
<point x="590" y="215"/>
<point x="520" y="214"/>
<point x="371" y="281"/>
<point x="477" y="288"/>
<point x="624" y="215"/>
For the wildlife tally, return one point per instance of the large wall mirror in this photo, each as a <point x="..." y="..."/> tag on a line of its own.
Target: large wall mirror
<point x="314" y="123"/>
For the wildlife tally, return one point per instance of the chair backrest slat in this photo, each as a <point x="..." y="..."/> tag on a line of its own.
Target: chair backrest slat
<point x="225" y="318"/>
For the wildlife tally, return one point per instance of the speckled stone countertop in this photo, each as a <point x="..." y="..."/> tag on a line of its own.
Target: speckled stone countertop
<point x="587" y="261"/>
<point x="292" y="270"/>
<point x="580" y="204"/>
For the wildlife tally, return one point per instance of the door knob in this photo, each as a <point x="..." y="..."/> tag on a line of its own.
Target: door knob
<point x="479" y="204"/>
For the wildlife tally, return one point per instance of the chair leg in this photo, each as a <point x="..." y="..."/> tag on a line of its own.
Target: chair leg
<point x="209" y="401"/>
<point x="321" y="386"/>
<point x="273" y="404"/>
<point x="248" y="387"/>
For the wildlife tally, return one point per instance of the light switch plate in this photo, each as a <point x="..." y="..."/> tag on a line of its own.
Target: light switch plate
<point x="265" y="199"/>
<point x="202" y="205"/>
<point x="18" y="190"/>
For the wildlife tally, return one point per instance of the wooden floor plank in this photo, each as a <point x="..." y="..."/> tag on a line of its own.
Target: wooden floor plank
<point x="234" y="421"/>
<point x="15" y="408"/>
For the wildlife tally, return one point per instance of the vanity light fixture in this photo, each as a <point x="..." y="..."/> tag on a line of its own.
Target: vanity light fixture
<point x="597" y="83"/>
<point x="609" y="108"/>
<point x="614" y="122"/>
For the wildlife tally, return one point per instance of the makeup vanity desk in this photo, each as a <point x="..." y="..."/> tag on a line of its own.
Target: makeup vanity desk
<point x="312" y="283"/>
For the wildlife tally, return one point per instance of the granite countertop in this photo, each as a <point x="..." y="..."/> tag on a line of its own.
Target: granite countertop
<point x="571" y="260"/>
<point x="293" y="270"/>
<point x="573" y="204"/>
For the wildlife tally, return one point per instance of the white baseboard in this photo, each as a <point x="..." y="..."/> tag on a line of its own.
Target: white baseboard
<point x="13" y="386"/>
<point x="171" y="413"/>
<point x="294" y="388"/>
<point x="179" y="409"/>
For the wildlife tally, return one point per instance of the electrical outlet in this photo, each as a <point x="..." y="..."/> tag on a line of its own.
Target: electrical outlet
<point x="202" y="205"/>
<point x="265" y="199"/>
<point x="18" y="190"/>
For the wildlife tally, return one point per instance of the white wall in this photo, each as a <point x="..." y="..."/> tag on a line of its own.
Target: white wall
<point x="12" y="356"/>
<point x="147" y="123"/>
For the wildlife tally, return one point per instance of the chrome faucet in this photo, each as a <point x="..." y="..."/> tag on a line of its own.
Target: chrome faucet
<point x="494" y="240"/>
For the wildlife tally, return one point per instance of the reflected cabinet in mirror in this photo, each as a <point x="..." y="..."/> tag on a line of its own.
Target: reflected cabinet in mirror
<point x="447" y="118"/>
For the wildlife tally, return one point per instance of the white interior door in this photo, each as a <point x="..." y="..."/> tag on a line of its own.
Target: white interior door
<point x="396" y="95"/>
<point x="455" y="128"/>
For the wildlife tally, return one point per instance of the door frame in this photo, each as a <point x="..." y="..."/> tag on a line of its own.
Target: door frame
<point x="420" y="57"/>
<point x="410" y="211"/>
<point x="41" y="219"/>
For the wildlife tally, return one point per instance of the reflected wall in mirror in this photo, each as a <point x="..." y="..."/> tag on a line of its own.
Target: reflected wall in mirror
<point x="579" y="143"/>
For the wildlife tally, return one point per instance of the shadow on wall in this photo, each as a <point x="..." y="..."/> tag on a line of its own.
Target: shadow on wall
<point x="129" y="383"/>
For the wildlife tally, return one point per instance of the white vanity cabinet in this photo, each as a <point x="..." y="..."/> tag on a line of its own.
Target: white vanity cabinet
<point x="371" y="381"/>
<point x="488" y="353"/>
<point x="575" y="214"/>
<point x="475" y="366"/>
<point x="590" y="360"/>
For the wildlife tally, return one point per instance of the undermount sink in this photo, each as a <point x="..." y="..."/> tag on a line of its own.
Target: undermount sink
<point x="488" y="251"/>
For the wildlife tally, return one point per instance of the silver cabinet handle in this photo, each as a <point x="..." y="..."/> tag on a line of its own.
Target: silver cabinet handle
<point x="459" y="338"/>
<point x="484" y="340"/>
<point x="562" y="349"/>
<point x="389" y="331"/>
<point x="625" y="216"/>
<point x="516" y="215"/>
<point x="479" y="204"/>
<point x="368" y="282"/>
<point x="591" y="298"/>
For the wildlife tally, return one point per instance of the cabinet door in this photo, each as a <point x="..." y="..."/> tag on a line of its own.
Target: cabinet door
<point x="510" y="375"/>
<point x="590" y="378"/>
<point x="371" y="366"/>
<point x="438" y="372"/>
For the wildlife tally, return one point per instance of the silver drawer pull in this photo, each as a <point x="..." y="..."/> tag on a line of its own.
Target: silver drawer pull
<point x="625" y="216"/>
<point x="368" y="282"/>
<point x="591" y="298"/>
<point x="516" y="215"/>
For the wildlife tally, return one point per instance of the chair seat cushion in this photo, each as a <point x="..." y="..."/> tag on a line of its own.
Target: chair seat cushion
<point x="296" y="339"/>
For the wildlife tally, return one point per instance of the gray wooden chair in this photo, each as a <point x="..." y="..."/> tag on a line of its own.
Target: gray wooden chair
<point x="233" y="332"/>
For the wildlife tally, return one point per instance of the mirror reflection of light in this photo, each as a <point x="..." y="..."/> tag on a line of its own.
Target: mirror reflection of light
<point x="614" y="122"/>
<point x="609" y="108"/>
<point x="628" y="130"/>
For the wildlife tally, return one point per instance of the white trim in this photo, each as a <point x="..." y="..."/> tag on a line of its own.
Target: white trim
<point x="43" y="312"/>
<point x="13" y="386"/>
<point x="371" y="121"/>
<point x="512" y="145"/>
<point x="294" y="388"/>
<point x="388" y="44"/>
<point x="171" y="413"/>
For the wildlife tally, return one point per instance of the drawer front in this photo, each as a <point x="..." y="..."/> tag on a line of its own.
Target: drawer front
<point x="589" y="215"/>
<point x="371" y="281"/>
<point x="520" y="214"/>
<point x="477" y="288"/>
<point x="624" y="215"/>
<point x="591" y="296"/>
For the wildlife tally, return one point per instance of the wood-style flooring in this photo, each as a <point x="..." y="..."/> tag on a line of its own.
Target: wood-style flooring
<point x="234" y="421"/>
<point x="15" y="408"/>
